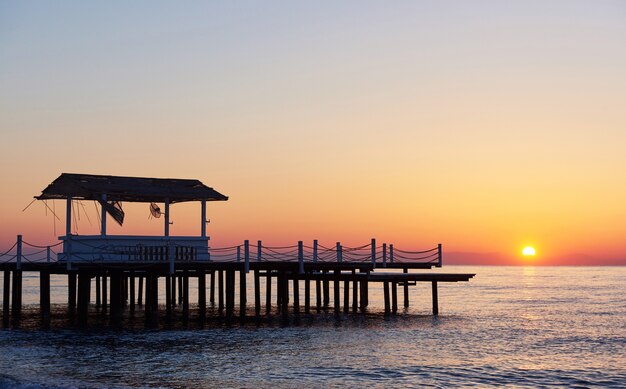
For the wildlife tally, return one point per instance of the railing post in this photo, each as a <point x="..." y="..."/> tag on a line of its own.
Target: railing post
<point x="246" y="253"/>
<point x="259" y="248"/>
<point x="440" y="256"/>
<point x="48" y="254"/>
<point x="300" y="257"/>
<point x="373" y="253"/>
<point x="391" y="253"/>
<point x="315" y="250"/>
<point x="339" y="253"/>
<point x="384" y="254"/>
<point x="239" y="252"/>
<point x="18" y="264"/>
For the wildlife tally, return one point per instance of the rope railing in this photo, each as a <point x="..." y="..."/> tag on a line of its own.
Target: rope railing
<point x="178" y="250"/>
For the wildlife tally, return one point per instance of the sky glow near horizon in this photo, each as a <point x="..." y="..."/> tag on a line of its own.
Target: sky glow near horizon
<point x="487" y="126"/>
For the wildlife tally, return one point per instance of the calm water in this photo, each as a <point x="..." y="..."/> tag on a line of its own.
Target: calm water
<point x="515" y="326"/>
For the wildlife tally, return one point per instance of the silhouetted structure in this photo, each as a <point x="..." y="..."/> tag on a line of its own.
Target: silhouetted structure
<point x="126" y="269"/>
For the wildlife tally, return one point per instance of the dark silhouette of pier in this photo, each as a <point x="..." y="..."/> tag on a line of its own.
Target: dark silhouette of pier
<point x="126" y="269"/>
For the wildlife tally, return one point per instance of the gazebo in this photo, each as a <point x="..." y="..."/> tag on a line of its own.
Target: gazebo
<point x="110" y="192"/>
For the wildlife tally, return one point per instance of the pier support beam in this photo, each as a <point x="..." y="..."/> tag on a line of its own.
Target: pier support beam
<point x="257" y="294"/>
<point x="104" y="291"/>
<point x="185" y="295"/>
<point x="307" y="294"/>
<point x="346" y="296"/>
<point x="98" y="293"/>
<point x="336" y="294"/>
<point x="268" y="291"/>
<point x="180" y="289"/>
<point x="220" y="290"/>
<point x="242" y="295"/>
<point x="140" y="291"/>
<point x="84" y="286"/>
<point x="174" y="289"/>
<point x="326" y="285"/>
<point x="355" y="292"/>
<point x="44" y="297"/>
<point x="386" y="293"/>
<point x="115" y="277"/>
<point x="283" y="291"/>
<point x="6" y="298"/>
<point x="168" y="295"/>
<point x="131" y="287"/>
<point x="394" y="296"/>
<point x="230" y="295"/>
<point x="406" y="290"/>
<point x="201" y="295"/>
<point x="71" y="292"/>
<point x="435" y="299"/>
<point x="296" y="295"/>
<point x="318" y="295"/>
<point x="212" y="291"/>
<point x="364" y="293"/>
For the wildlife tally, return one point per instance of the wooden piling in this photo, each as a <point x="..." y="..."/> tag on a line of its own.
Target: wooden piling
<point x="212" y="290"/>
<point x="6" y="298"/>
<point x="307" y="295"/>
<point x="174" y="289"/>
<point x="115" y="299"/>
<point x="220" y="290"/>
<point x="131" y="287"/>
<point x="363" y="285"/>
<point x="17" y="296"/>
<point x="346" y="296"/>
<point x="355" y="292"/>
<point x="296" y="295"/>
<point x="71" y="292"/>
<point x="284" y="295"/>
<point x="44" y="297"/>
<point x="104" y="292"/>
<point x="394" y="297"/>
<point x="125" y="286"/>
<point x="180" y="289"/>
<point x="140" y="291"/>
<point x="336" y="295"/>
<point x="435" y="299"/>
<point x="84" y="286"/>
<point x="406" y="290"/>
<point x="326" y="285"/>
<point x="185" y="294"/>
<point x="230" y="295"/>
<point x="257" y="294"/>
<point x="386" y="293"/>
<point x="98" y="294"/>
<point x="318" y="295"/>
<point x="168" y="295"/>
<point x="242" y="295"/>
<point x="201" y="295"/>
<point x="153" y="317"/>
<point x="268" y="291"/>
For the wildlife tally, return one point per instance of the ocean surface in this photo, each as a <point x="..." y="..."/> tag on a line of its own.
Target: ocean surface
<point x="509" y="326"/>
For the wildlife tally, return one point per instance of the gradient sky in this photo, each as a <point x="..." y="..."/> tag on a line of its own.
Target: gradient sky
<point x="483" y="125"/>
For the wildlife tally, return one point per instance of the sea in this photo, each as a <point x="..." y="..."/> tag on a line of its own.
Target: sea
<point x="508" y="327"/>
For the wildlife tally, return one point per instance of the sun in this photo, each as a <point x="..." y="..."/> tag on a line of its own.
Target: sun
<point x="528" y="251"/>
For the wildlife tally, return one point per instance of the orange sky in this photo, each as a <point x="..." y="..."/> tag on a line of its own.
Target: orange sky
<point x="485" y="127"/>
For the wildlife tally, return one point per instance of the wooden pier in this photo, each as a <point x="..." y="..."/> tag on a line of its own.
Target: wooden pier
<point x="122" y="288"/>
<point x="126" y="269"/>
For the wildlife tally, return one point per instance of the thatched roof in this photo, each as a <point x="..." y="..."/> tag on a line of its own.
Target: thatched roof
<point x="133" y="189"/>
